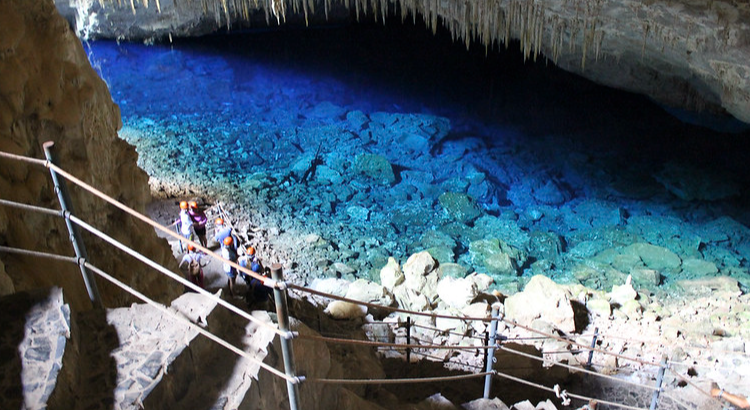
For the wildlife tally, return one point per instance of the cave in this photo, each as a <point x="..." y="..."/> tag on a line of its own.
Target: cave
<point x="581" y="165"/>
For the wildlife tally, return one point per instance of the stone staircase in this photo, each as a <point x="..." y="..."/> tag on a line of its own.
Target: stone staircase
<point x="124" y="358"/>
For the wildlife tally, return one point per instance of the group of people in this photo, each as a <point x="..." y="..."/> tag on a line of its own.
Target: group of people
<point x="191" y="223"/>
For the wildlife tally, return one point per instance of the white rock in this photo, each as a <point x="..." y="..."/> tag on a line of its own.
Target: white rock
<point x="457" y="293"/>
<point x="391" y="275"/>
<point x="345" y="310"/>
<point x="334" y="286"/>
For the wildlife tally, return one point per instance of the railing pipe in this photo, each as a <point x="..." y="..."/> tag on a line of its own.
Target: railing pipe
<point x="491" y="352"/>
<point x="31" y="208"/>
<point x="67" y="207"/>
<point x="659" y="380"/>
<point x="593" y="345"/>
<point x="39" y="254"/>
<point x="282" y="314"/>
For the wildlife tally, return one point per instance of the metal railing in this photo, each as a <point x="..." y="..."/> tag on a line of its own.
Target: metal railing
<point x="490" y="342"/>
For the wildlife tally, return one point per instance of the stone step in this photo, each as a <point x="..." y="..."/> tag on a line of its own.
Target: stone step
<point x="35" y="326"/>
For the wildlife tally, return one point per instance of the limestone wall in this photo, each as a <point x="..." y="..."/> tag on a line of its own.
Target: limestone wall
<point x="49" y="92"/>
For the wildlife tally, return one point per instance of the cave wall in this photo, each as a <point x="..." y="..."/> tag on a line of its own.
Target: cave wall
<point x="691" y="54"/>
<point x="49" y="92"/>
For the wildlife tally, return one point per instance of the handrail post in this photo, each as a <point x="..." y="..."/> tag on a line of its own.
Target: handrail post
<point x="75" y="238"/>
<point x="282" y="313"/>
<point x="491" y="351"/>
<point x="593" y="345"/>
<point x="408" y="339"/>
<point x="659" y="380"/>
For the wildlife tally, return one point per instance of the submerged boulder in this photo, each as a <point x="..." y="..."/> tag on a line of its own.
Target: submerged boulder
<point x="460" y="207"/>
<point x="375" y="167"/>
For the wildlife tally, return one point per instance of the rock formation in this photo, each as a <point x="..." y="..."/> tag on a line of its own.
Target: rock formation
<point x="691" y="54"/>
<point x="49" y="92"/>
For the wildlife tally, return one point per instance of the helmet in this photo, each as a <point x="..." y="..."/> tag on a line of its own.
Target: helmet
<point x="219" y="221"/>
<point x="183" y="205"/>
<point x="250" y="250"/>
<point x="228" y="240"/>
<point x="193" y="204"/>
<point x="191" y="247"/>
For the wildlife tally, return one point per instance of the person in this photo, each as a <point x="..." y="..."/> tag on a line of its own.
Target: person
<point x="245" y="261"/>
<point x="185" y="223"/>
<point x="229" y="252"/>
<point x="736" y="400"/>
<point x="222" y="231"/>
<point x="192" y="264"/>
<point x="199" y="221"/>
<point x="257" y="292"/>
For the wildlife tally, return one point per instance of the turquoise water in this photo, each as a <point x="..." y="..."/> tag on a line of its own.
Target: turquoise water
<point x="385" y="141"/>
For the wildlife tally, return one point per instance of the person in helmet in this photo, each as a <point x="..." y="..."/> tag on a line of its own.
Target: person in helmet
<point x="199" y="221"/>
<point x="245" y="261"/>
<point x="192" y="265"/>
<point x="257" y="292"/>
<point x="185" y="223"/>
<point x="229" y="252"/>
<point x="222" y="231"/>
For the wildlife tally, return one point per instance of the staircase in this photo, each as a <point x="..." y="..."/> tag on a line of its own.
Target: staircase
<point x="124" y="358"/>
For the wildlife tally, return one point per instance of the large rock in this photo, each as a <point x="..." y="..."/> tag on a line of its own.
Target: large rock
<point x="460" y="207"/>
<point x="495" y="256"/>
<point x="457" y="293"/>
<point x="655" y="257"/>
<point x="391" y="275"/>
<point x="541" y="299"/>
<point x="375" y="167"/>
<point x="49" y="92"/>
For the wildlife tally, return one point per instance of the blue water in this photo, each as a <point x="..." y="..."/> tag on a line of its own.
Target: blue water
<point x="525" y="139"/>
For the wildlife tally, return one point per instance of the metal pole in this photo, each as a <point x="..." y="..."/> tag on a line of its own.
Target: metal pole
<point x="659" y="380"/>
<point x="67" y="207"/>
<point x="593" y="345"/>
<point x="287" y="353"/>
<point x="408" y="339"/>
<point x="491" y="351"/>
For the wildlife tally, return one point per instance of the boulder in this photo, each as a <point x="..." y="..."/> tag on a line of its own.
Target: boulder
<point x="541" y="298"/>
<point x="460" y="207"/>
<point x="391" y="275"/>
<point x="344" y="310"/>
<point x="453" y="270"/>
<point x="457" y="293"/>
<point x="334" y="286"/>
<point x="655" y="257"/>
<point x="375" y="167"/>
<point x="485" y="404"/>
<point x="599" y="307"/>
<point x="495" y="256"/>
<point x="370" y="292"/>
<point x="698" y="267"/>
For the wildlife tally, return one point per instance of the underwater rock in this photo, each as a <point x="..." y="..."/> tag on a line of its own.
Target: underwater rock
<point x="488" y="226"/>
<point x="689" y="183"/>
<point x="648" y="278"/>
<point x="375" y="167"/>
<point x="496" y="256"/>
<point x="358" y="214"/>
<point x="457" y="293"/>
<point x="545" y="245"/>
<point x="655" y="257"/>
<point x="357" y="120"/>
<point x="698" y="267"/>
<point x="460" y="207"/>
<point x="342" y="268"/>
<point x="442" y="254"/>
<point x="550" y="193"/>
<point x="452" y="270"/>
<point x="541" y="299"/>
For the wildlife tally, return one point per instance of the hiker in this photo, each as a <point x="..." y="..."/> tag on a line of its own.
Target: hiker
<point x="222" y="231"/>
<point x="199" y="222"/>
<point x="192" y="264"/>
<point x="245" y="261"/>
<point x="185" y="223"/>
<point x="257" y="292"/>
<point x="229" y="252"/>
